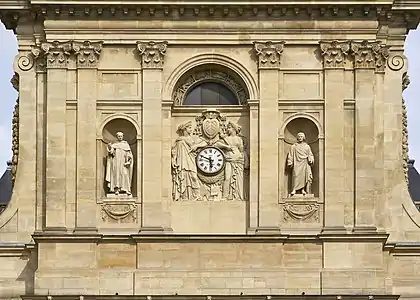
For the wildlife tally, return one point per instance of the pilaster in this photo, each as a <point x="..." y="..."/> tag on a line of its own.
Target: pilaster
<point x="334" y="56"/>
<point x="57" y="56"/>
<point x="369" y="64"/>
<point x="268" y="58"/>
<point x="87" y="57"/>
<point x="152" y="56"/>
<point x="253" y="163"/>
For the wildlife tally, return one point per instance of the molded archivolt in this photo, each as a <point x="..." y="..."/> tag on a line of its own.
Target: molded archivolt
<point x="239" y="78"/>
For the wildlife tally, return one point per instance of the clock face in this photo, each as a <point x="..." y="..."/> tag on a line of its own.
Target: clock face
<point x="210" y="160"/>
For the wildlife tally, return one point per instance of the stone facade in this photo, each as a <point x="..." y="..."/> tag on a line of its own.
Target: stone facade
<point x="88" y="70"/>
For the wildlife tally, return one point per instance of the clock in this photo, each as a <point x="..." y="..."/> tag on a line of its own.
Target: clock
<point x="210" y="160"/>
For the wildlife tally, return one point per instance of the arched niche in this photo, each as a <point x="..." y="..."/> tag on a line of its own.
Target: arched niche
<point x="108" y="135"/>
<point x="308" y="125"/>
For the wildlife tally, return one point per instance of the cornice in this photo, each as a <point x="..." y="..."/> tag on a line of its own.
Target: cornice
<point x="15" y="249"/>
<point x="388" y="11"/>
<point x="210" y="297"/>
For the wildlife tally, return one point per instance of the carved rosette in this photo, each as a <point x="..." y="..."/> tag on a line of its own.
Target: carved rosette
<point x="15" y="130"/>
<point x="405" y="83"/>
<point x="152" y="54"/>
<point x="301" y="212"/>
<point x="370" y="55"/>
<point x="334" y="53"/>
<point x="57" y="53"/>
<point x="87" y="53"/>
<point x="119" y="213"/>
<point x="210" y="75"/>
<point x="268" y="54"/>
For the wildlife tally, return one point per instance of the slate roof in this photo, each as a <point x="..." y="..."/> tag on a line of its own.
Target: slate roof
<point x="413" y="185"/>
<point x="6" y="187"/>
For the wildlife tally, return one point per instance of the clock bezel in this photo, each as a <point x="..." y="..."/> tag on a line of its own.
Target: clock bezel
<point x="210" y="173"/>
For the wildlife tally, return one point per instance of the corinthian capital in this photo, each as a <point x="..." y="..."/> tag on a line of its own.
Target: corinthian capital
<point x="370" y="55"/>
<point x="87" y="53"/>
<point x="57" y="53"/>
<point x="334" y="53"/>
<point x="268" y="54"/>
<point x="152" y="54"/>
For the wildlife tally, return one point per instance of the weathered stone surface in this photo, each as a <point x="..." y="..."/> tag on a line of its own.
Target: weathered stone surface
<point x="331" y="70"/>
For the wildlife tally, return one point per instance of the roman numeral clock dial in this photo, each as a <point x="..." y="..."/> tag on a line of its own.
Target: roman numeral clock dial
<point x="210" y="160"/>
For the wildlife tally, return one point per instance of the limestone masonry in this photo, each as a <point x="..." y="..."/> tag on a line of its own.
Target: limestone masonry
<point x="199" y="150"/>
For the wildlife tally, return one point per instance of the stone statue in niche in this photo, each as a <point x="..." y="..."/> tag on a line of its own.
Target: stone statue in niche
<point x="208" y="161"/>
<point x="300" y="159"/>
<point x="119" y="166"/>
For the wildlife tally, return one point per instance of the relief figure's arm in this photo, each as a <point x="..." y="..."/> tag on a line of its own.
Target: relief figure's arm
<point x="290" y="158"/>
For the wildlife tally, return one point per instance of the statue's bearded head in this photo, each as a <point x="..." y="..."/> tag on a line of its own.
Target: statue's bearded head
<point x="300" y="137"/>
<point x="120" y="135"/>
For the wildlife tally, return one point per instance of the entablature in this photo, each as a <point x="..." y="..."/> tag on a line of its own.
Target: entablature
<point x="402" y="13"/>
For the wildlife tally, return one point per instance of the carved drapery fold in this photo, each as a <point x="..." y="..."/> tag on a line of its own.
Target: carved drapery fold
<point x="334" y="53"/>
<point x="152" y="54"/>
<point x="268" y="54"/>
<point x="405" y="83"/>
<point x="301" y="212"/>
<point x="370" y="55"/>
<point x="87" y="53"/>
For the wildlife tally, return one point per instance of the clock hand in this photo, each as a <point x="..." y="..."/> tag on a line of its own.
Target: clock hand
<point x="205" y="157"/>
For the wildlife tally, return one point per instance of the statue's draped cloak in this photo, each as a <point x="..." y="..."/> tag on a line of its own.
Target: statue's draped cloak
<point x="298" y="157"/>
<point x="186" y="184"/>
<point x="119" y="167"/>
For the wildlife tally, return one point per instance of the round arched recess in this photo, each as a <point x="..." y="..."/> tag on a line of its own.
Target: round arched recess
<point x="210" y="84"/>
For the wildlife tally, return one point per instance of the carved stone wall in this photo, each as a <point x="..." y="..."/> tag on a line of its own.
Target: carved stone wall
<point x="190" y="226"/>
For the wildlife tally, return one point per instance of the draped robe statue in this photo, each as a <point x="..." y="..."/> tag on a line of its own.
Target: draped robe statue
<point x="119" y="166"/>
<point x="300" y="159"/>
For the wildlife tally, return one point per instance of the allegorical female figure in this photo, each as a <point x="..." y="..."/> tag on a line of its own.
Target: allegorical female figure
<point x="119" y="166"/>
<point x="185" y="182"/>
<point x="236" y="162"/>
<point x="300" y="159"/>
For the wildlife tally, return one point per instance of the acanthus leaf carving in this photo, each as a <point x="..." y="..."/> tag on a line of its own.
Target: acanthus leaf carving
<point x="57" y="53"/>
<point x="268" y="54"/>
<point x="334" y="53"/>
<point x="152" y="53"/>
<point x="370" y="55"/>
<point x="87" y="53"/>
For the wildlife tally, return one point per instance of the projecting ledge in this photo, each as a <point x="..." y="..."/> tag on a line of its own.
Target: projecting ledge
<point x="215" y="297"/>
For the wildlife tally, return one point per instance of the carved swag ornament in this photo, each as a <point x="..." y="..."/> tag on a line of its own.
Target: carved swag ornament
<point x="405" y="84"/>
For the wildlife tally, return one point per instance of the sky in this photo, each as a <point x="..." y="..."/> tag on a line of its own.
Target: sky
<point x="8" y="50"/>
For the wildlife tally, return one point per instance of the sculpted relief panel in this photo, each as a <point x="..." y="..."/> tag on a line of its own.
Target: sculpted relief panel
<point x="209" y="159"/>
